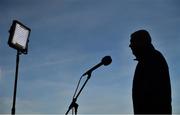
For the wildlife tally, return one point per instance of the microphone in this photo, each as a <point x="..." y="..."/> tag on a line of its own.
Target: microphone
<point x="105" y="61"/>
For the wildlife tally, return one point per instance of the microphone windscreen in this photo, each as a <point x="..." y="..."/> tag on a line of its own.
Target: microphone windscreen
<point x="106" y="60"/>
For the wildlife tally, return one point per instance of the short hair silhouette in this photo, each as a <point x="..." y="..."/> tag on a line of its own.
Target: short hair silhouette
<point x="151" y="90"/>
<point x="142" y="37"/>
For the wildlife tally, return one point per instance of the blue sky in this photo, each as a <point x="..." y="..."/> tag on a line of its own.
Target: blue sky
<point x="70" y="36"/>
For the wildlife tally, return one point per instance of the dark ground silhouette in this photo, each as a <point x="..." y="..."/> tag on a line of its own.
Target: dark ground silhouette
<point x="151" y="90"/>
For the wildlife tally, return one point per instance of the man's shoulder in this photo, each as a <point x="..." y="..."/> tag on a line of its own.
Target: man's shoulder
<point x="158" y="56"/>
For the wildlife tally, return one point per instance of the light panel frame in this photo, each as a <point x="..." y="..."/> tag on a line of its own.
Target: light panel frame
<point x="19" y="36"/>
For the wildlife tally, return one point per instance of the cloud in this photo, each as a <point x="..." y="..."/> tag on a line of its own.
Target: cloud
<point x="43" y="97"/>
<point x="5" y="105"/>
<point x="0" y="73"/>
<point x="22" y="106"/>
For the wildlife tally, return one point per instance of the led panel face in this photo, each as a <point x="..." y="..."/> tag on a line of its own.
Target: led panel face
<point x="19" y="35"/>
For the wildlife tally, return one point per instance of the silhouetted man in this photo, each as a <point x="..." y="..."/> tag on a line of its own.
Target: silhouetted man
<point x="151" y="85"/>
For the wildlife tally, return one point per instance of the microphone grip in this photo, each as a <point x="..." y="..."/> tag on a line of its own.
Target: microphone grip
<point x="92" y="69"/>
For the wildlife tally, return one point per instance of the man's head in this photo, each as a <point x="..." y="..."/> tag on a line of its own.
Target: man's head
<point x="139" y="43"/>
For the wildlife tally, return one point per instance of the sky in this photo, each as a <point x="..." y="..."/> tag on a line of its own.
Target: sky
<point x="68" y="37"/>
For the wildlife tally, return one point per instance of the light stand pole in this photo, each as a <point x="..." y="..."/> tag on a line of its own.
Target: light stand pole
<point x="13" y="111"/>
<point x="18" y="39"/>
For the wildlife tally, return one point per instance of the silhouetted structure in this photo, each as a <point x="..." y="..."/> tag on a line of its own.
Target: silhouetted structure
<point x="151" y="85"/>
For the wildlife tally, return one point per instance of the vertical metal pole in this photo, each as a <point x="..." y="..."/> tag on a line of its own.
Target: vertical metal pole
<point x="15" y="84"/>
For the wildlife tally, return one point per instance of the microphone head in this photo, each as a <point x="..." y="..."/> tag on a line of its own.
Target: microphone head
<point x="106" y="60"/>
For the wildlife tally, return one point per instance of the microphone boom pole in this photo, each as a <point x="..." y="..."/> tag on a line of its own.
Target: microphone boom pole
<point x="73" y="103"/>
<point x="105" y="61"/>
